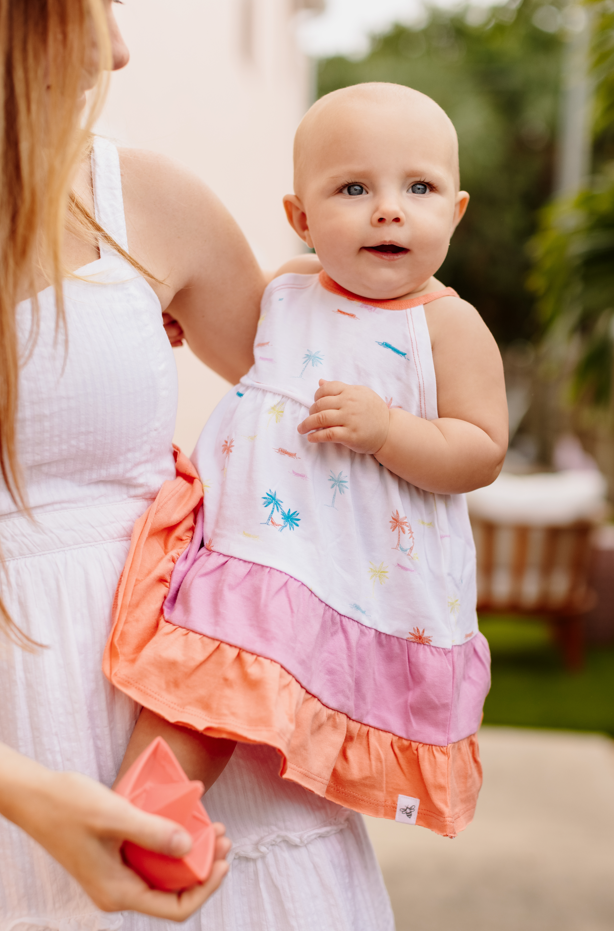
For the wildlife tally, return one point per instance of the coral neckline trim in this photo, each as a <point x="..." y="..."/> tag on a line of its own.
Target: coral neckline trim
<point x="396" y="304"/>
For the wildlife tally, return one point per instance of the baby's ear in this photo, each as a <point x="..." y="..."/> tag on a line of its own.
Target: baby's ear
<point x="297" y="218"/>
<point x="462" y="202"/>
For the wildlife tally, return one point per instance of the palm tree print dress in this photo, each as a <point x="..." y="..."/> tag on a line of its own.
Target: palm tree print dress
<point x="319" y="604"/>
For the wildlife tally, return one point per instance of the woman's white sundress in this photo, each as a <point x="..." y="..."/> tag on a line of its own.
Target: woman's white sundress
<point x="95" y="426"/>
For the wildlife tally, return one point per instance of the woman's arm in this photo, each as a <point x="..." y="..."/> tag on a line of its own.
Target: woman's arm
<point x="305" y="264"/>
<point x="182" y="233"/>
<point x="83" y="825"/>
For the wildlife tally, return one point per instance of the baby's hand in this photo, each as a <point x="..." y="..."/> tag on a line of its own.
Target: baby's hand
<point x="352" y="415"/>
<point x="174" y="330"/>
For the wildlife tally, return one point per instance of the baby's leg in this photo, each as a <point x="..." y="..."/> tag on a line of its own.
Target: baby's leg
<point x="201" y="757"/>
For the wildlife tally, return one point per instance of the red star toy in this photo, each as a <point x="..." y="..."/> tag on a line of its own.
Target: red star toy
<point x="156" y="783"/>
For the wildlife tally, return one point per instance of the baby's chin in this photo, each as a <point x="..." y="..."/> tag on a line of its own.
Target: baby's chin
<point x="386" y="283"/>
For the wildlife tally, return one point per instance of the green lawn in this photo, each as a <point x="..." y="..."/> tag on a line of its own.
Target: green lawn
<point x="531" y="687"/>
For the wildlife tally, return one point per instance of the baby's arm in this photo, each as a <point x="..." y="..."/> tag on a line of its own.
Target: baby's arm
<point x="464" y="448"/>
<point x="200" y="756"/>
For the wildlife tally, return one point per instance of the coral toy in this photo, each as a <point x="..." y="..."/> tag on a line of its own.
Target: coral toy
<point x="156" y="783"/>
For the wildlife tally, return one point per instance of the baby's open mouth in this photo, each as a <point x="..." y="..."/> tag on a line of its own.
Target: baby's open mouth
<point x="387" y="248"/>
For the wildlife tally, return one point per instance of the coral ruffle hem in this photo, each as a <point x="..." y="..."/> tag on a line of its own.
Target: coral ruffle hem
<point x="219" y="689"/>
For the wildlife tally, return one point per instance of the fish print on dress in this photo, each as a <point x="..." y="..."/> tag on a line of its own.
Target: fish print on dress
<point x="394" y="349"/>
<point x="286" y="452"/>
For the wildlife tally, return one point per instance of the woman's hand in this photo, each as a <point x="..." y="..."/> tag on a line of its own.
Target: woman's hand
<point x="83" y="825"/>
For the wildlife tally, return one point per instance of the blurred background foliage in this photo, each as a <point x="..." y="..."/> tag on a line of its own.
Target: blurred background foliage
<point x="496" y="72"/>
<point x="573" y="276"/>
<point x="573" y="280"/>
<point x="532" y="688"/>
<point x="540" y="269"/>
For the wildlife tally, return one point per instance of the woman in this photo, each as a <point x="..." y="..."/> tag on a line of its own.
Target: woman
<point x="87" y="409"/>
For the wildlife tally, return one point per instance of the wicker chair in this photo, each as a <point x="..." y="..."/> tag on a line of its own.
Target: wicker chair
<point x="539" y="572"/>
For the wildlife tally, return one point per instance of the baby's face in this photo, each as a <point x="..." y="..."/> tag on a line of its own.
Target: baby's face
<point x="377" y="184"/>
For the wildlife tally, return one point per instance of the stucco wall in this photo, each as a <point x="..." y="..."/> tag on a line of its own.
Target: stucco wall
<point x="220" y="86"/>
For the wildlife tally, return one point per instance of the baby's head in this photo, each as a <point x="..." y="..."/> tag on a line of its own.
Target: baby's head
<point x="376" y="185"/>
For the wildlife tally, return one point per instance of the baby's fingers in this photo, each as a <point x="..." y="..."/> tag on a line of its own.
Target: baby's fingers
<point x="328" y="403"/>
<point x="331" y="435"/>
<point x="328" y="389"/>
<point x="320" y="420"/>
<point x="174" y="330"/>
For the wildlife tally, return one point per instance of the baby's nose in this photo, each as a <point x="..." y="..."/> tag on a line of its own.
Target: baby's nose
<point x="388" y="211"/>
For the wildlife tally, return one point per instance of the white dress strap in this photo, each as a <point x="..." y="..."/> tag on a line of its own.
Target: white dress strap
<point x="108" y="197"/>
<point x="423" y="361"/>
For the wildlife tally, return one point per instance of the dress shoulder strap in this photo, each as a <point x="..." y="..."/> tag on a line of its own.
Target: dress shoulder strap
<point x="108" y="197"/>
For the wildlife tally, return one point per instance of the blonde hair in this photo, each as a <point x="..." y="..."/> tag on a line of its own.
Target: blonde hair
<point x="46" y="49"/>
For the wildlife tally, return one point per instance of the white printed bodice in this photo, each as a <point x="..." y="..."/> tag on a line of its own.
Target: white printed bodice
<point x="370" y="545"/>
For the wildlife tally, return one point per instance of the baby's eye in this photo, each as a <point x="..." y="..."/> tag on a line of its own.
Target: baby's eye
<point x="419" y="188"/>
<point x="354" y="190"/>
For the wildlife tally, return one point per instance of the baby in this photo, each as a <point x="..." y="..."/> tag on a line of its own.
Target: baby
<point x="323" y="597"/>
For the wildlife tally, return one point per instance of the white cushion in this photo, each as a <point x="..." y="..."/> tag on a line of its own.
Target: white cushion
<point x="544" y="499"/>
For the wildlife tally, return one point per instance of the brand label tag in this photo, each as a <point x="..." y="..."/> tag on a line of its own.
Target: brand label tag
<point x="407" y="809"/>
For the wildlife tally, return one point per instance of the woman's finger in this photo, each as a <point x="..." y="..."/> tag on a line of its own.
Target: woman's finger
<point x="176" y="906"/>
<point x="152" y="832"/>
<point x="222" y="843"/>
<point x="130" y="892"/>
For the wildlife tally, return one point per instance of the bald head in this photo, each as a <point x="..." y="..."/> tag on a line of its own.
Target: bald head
<point x="365" y="108"/>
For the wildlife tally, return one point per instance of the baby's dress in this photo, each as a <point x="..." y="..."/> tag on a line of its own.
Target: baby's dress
<point x="323" y="606"/>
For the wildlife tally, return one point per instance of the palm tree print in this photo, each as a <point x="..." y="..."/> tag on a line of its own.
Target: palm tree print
<point x="378" y="573"/>
<point x="290" y="519"/>
<point x="277" y="411"/>
<point x="400" y="525"/>
<point x="339" y="483"/>
<point x="270" y="500"/>
<point x="313" y="359"/>
<point x="227" y="447"/>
